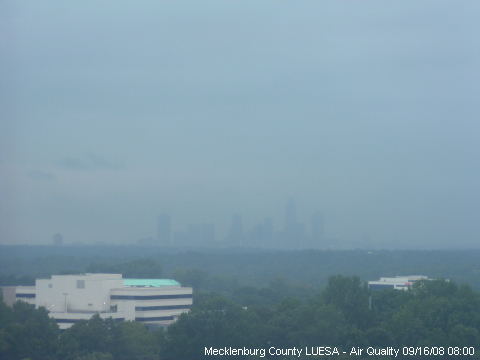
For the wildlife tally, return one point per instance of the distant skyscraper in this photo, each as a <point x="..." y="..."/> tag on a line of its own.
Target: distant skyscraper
<point x="57" y="239"/>
<point x="294" y="233"/>
<point x="208" y="234"/>
<point x="268" y="232"/>
<point x="317" y="229"/>
<point x="164" y="231"/>
<point x="235" y="234"/>
<point x="291" y="235"/>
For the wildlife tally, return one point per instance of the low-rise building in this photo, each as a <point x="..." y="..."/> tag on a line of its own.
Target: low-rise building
<point x="14" y="293"/>
<point x="71" y="298"/>
<point x="398" y="282"/>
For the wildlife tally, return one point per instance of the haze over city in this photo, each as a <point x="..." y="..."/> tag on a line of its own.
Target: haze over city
<point x="115" y="113"/>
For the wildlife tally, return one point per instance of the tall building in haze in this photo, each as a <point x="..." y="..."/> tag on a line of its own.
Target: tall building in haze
<point x="235" y="234"/>
<point x="57" y="239"/>
<point x="294" y="234"/>
<point x="268" y="232"/>
<point x="208" y="234"/>
<point x="164" y="230"/>
<point x="318" y="221"/>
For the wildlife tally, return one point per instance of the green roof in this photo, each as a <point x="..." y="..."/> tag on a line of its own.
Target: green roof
<point x="150" y="282"/>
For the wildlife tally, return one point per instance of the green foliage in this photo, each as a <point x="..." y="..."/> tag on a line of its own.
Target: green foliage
<point x="461" y="336"/>
<point x="26" y="332"/>
<point x="440" y="288"/>
<point x="216" y="323"/>
<point x="434" y="313"/>
<point x="12" y="280"/>
<point x="86" y="337"/>
<point x="348" y="295"/>
<point x="132" y="340"/>
<point x="345" y="314"/>
<point x="195" y="278"/>
<point x="6" y="320"/>
<point x="249" y="295"/>
<point x="99" y="338"/>
<point x="70" y="272"/>
<point x="379" y="337"/>
<point x="96" y="356"/>
<point x="250" y="267"/>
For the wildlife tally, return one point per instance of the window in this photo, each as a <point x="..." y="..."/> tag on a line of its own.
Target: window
<point x="150" y="297"/>
<point x="27" y="296"/>
<point x="80" y="284"/>
<point x="164" y="307"/>
<point x="159" y="318"/>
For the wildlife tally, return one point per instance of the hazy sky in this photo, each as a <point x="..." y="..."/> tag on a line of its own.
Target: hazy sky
<point x="114" y="112"/>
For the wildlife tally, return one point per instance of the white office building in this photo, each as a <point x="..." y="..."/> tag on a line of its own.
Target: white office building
<point x="71" y="298"/>
<point x="398" y="283"/>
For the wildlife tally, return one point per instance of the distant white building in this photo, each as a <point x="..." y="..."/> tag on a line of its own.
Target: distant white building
<point x="399" y="282"/>
<point x="71" y="298"/>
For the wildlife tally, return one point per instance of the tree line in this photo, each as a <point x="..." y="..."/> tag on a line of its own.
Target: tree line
<point x="249" y="267"/>
<point x="344" y="315"/>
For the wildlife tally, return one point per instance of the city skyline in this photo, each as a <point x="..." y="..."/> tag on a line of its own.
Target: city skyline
<point x="263" y="234"/>
<point x="201" y="110"/>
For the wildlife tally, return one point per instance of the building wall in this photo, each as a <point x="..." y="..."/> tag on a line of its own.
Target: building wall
<point x="14" y="293"/>
<point x="69" y="293"/>
<point x="156" y="305"/>
<point x="398" y="283"/>
<point x="9" y="294"/>
<point x="125" y="311"/>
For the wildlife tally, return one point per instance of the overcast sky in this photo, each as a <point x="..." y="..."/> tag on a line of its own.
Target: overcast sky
<point x="115" y="112"/>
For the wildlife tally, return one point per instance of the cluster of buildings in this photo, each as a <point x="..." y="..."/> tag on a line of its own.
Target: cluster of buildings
<point x="293" y="235"/>
<point x="71" y="298"/>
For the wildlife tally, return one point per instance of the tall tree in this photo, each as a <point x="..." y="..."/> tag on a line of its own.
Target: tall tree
<point x="348" y="294"/>
<point x="26" y="332"/>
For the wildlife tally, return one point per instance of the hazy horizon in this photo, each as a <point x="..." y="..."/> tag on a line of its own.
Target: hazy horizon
<point x="365" y="111"/>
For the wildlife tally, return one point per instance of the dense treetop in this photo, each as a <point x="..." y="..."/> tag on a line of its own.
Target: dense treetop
<point x="344" y="315"/>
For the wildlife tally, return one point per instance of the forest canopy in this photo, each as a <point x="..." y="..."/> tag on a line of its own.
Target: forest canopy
<point x="345" y="315"/>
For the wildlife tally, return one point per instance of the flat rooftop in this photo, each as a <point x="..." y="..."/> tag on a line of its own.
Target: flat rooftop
<point x="150" y="282"/>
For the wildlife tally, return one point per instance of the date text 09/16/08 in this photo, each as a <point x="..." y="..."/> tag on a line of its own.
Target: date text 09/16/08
<point x="355" y="351"/>
<point x="439" y="351"/>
